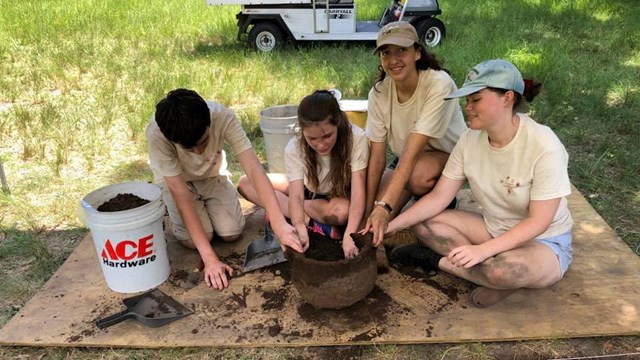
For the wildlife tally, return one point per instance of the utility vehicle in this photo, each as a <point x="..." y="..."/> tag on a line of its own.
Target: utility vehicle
<point x="267" y="24"/>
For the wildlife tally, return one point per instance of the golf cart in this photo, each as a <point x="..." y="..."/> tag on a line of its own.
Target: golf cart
<point x="269" y="23"/>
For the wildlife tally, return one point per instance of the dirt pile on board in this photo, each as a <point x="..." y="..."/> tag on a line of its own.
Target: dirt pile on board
<point x="122" y="202"/>
<point x="325" y="279"/>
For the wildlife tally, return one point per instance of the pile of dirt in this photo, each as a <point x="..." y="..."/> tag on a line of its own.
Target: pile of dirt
<point x="323" y="248"/>
<point x="122" y="202"/>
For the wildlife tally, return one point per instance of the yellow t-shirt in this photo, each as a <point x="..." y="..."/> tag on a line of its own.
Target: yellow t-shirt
<point x="426" y="113"/>
<point x="169" y="159"/>
<point x="294" y="162"/>
<point x="533" y="166"/>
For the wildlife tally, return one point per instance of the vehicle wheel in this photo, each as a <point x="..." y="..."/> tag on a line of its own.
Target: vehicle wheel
<point x="265" y="37"/>
<point x="430" y="31"/>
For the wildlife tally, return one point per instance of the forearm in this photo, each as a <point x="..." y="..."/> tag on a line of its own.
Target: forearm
<point x="296" y="207"/>
<point x="427" y="206"/>
<point x="264" y="189"/>
<point x="525" y="231"/>
<point x="541" y="215"/>
<point x="357" y="201"/>
<point x="374" y="175"/>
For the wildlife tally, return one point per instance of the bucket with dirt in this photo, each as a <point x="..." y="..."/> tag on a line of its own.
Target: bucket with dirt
<point x="278" y="124"/>
<point x="126" y="223"/>
<point x="326" y="280"/>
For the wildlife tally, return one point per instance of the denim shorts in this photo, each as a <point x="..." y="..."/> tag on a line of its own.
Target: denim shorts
<point x="561" y="245"/>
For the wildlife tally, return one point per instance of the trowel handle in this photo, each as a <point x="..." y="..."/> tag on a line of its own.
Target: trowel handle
<point x="268" y="234"/>
<point x="114" y="319"/>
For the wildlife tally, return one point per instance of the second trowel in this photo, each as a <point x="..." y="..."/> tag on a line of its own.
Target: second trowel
<point x="263" y="252"/>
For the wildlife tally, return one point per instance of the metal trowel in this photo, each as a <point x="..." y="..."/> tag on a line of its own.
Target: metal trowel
<point x="263" y="252"/>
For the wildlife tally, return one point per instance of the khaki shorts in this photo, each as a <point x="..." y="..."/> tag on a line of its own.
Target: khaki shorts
<point x="217" y="205"/>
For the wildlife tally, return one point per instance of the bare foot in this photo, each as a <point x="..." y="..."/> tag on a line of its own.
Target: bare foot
<point x="483" y="297"/>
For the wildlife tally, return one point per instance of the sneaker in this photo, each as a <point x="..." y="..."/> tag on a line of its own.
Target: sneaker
<point x="416" y="255"/>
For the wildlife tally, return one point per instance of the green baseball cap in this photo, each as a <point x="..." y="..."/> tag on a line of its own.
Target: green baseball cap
<point x="496" y="73"/>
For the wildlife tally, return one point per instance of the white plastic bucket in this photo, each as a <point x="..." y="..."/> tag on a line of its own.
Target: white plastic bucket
<point x="278" y="124"/>
<point x="131" y="246"/>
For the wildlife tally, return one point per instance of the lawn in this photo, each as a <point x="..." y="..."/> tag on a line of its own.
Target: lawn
<point x="80" y="80"/>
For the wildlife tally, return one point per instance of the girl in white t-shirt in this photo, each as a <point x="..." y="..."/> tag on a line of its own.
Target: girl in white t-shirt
<point x="324" y="187"/>
<point x="517" y="172"/>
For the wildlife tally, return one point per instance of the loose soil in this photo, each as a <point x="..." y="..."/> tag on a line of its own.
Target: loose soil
<point x="122" y="202"/>
<point x="322" y="248"/>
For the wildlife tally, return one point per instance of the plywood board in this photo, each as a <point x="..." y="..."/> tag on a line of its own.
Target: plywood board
<point x="599" y="296"/>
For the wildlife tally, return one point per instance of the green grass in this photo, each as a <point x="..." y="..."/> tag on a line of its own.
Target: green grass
<point x="80" y="80"/>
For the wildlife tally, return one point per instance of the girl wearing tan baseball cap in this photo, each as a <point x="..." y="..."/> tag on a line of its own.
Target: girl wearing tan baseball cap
<point x="407" y="112"/>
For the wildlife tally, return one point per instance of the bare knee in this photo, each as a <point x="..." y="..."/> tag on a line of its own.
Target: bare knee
<point x="230" y="238"/>
<point x="505" y="273"/>
<point x="436" y="235"/>
<point x="244" y="185"/>
<point x="188" y="244"/>
<point x="338" y="214"/>
<point x="419" y="186"/>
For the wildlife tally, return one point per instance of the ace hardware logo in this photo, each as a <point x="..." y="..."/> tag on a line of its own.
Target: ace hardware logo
<point x="128" y="253"/>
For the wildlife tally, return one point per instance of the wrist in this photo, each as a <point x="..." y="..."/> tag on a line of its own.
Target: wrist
<point x="384" y="205"/>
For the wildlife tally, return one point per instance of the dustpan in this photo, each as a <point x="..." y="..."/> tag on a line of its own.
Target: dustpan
<point x="153" y="309"/>
<point x="263" y="252"/>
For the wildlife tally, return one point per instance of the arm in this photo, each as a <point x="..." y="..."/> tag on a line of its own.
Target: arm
<point x="541" y="214"/>
<point x="414" y="146"/>
<point x="214" y="270"/>
<point x="356" y="211"/>
<point x="428" y="206"/>
<point x="379" y="218"/>
<point x="375" y="168"/>
<point x="296" y="209"/>
<point x="285" y="233"/>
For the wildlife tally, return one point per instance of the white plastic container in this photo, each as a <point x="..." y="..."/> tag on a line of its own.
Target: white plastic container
<point x="131" y="246"/>
<point x="278" y="124"/>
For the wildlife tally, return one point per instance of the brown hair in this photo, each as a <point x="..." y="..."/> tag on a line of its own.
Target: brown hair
<point x="319" y="106"/>
<point x="427" y="61"/>
<point x="531" y="89"/>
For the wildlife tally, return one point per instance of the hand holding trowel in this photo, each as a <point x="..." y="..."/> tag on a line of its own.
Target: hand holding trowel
<point x="263" y="252"/>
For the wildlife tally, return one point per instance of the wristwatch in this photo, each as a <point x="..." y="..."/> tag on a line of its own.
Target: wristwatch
<point x="384" y="206"/>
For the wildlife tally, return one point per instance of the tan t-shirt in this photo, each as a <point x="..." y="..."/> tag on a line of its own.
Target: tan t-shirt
<point x="533" y="166"/>
<point x="426" y="113"/>
<point x="294" y="162"/>
<point x="169" y="159"/>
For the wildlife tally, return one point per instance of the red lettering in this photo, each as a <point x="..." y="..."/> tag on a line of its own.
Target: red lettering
<point x="121" y="250"/>
<point x="145" y="246"/>
<point x="108" y="252"/>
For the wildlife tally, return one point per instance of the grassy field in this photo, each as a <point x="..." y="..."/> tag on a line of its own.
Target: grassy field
<point x="80" y="79"/>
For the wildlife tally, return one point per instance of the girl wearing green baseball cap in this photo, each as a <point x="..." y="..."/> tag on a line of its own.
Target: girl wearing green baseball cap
<point x="517" y="172"/>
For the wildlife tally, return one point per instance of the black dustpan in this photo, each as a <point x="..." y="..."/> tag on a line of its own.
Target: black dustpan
<point x="263" y="252"/>
<point x="153" y="309"/>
